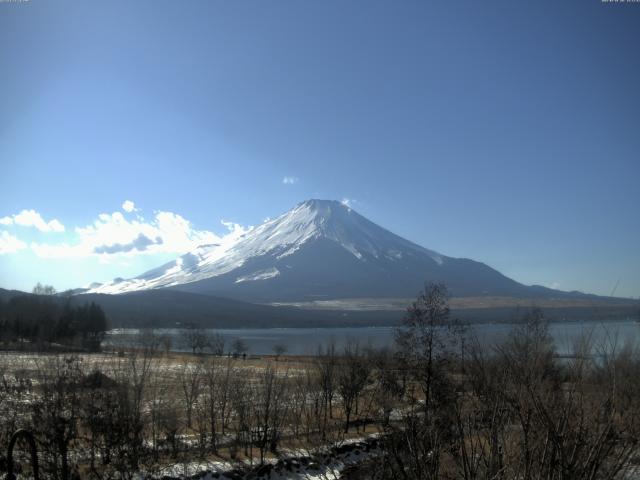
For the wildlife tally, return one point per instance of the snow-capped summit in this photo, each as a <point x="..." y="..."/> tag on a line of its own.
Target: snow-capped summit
<point x="319" y="249"/>
<point x="338" y="222"/>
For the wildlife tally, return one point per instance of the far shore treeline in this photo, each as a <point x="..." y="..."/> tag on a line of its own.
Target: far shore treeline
<point x="45" y="321"/>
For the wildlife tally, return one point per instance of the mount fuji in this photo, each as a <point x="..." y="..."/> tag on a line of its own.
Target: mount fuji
<point x="321" y="250"/>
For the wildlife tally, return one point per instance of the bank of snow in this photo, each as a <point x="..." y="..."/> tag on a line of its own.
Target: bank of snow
<point x="326" y="464"/>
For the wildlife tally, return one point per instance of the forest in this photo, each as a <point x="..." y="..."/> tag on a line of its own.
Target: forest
<point x="44" y="321"/>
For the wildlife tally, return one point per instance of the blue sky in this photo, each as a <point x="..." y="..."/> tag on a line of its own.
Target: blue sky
<point x="507" y="132"/>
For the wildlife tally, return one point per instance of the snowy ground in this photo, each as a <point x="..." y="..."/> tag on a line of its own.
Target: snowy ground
<point x="299" y="465"/>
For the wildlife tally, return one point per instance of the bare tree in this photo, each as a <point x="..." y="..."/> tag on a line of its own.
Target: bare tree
<point x="311" y="399"/>
<point x="270" y="410"/>
<point x="389" y="384"/>
<point x="195" y="339"/>
<point x="239" y="346"/>
<point x="414" y="447"/>
<point x="166" y="342"/>
<point x="242" y="401"/>
<point x="16" y="391"/>
<point x="129" y="419"/>
<point x="353" y="374"/>
<point x="223" y="394"/>
<point x="326" y="365"/>
<point x="40" y="289"/>
<point x="215" y="343"/>
<point x="57" y="411"/>
<point x="210" y="418"/>
<point x="279" y="349"/>
<point x="190" y="378"/>
<point x="425" y="340"/>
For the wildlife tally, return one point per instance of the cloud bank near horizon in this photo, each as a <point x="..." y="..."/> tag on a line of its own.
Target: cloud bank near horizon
<point x="125" y="233"/>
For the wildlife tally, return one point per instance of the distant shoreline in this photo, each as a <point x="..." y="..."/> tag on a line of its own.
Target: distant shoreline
<point x="306" y="340"/>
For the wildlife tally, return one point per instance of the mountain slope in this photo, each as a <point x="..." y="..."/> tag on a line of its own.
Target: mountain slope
<point x="319" y="250"/>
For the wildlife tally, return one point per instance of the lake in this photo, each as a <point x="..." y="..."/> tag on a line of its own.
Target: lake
<point x="305" y="341"/>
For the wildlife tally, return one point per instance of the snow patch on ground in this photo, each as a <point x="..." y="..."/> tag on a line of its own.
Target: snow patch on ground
<point x="326" y="464"/>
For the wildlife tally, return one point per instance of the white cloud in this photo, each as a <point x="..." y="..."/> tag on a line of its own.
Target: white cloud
<point x="555" y="285"/>
<point x="31" y="218"/>
<point x="349" y="202"/>
<point x="128" y="206"/>
<point x="114" y="235"/>
<point x="9" y="243"/>
<point x="290" y="180"/>
<point x="235" y="229"/>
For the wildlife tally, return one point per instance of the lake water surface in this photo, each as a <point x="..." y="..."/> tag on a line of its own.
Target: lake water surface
<point x="305" y="341"/>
